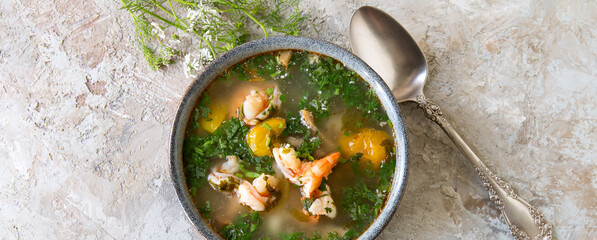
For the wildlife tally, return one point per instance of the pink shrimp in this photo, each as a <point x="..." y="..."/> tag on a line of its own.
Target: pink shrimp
<point x="308" y="175"/>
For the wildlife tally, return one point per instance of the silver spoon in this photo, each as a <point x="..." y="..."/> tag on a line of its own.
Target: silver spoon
<point x="387" y="47"/>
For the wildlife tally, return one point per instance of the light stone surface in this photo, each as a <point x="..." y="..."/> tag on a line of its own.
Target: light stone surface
<point x="85" y="123"/>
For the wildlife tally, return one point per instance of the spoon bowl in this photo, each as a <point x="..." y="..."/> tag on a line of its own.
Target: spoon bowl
<point x="388" y="48"/>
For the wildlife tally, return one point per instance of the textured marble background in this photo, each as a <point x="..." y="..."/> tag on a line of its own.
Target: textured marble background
<point x="85" y="124"/>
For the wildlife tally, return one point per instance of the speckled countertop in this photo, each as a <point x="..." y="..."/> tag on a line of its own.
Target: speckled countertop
<point x="85" y="123"/>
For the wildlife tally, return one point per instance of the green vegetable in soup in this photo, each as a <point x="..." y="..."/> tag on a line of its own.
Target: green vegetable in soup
<point x="205" y="208"/>
<point x="308" y="147"/>
<point x="243" y="227"/>
<point x="294" y="126"/>
<point x="228" y="139"/>
<point x="363" y="202"/>
<point x="332" y="79"/>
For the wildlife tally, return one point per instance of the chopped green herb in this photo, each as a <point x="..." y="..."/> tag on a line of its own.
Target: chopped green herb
<point x="316" y="105"/>
<point x="205" y="208"/>
<point x="330" y="79"/>
<point x="204" y="110"/>
<point x="276" y="73"/>
<point x="362" y="204"/>
<point x="294" y="126"/>
<point x="267" y="66"/>
<point x="308" y="147"/>
<point x="252" y="174"/>
<point x="293" y="236"/>
<point x="322" y="187"/>
<point x="307" y="202"/>
<point x="228" y="139"/>
<point x="242" y="228"/>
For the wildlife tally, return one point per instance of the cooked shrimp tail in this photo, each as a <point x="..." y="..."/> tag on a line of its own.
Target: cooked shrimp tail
<point x="288" y="163"/>
<point x="259" y="196"/>
<point x="314" y="172"/>
<point x="250" y="197"/>
<point x="258" y="105"/>
<point x="308" y="175"/>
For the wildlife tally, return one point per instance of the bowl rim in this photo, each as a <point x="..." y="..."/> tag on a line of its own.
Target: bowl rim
<point x="270" y="44"/>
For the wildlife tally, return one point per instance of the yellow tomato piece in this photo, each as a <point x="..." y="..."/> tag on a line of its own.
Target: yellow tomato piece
<point x="350" y="145"/>
<point x="215" y="118"/>
<point x="368" y="142"/>
<point x="260" y="137"/>
<point x="275" y="125"/>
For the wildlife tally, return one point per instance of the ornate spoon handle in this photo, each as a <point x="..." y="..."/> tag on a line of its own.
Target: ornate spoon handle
<point x="524" y="220"/>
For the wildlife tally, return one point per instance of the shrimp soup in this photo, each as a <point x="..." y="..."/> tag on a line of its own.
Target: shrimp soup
<point x="289" y="145"/>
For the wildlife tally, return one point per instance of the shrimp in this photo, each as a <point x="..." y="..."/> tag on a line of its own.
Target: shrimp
<point x="258" y="196"/>
<point x="284" y="58"/>
<point x="250" y="197"/>
<point x="308" y="175"/>
<point x="266" y="185"/>
<point x="288" y="162"/>
<point x="231" y="165"/>
<point x="314" y="172"/>
<point x="222" y="178"/>
<point x="223" y="182"/>
<point x="323" y="204"/>
<point x="259" y="105"/>
<point x="307" y="120"/>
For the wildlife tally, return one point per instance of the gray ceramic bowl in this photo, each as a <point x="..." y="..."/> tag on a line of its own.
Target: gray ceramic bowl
<point x="247" y="50"/>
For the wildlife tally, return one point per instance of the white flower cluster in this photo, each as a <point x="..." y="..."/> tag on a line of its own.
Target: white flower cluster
<point x="158" y="31"/>
<point x="194" y="62"/>
<point x="196" y="59"/>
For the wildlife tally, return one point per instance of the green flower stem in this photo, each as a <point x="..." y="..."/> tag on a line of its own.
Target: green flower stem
<point x="255" y="20"/>
<point x="162" y="19"/>
<point x="186" y="3"/>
